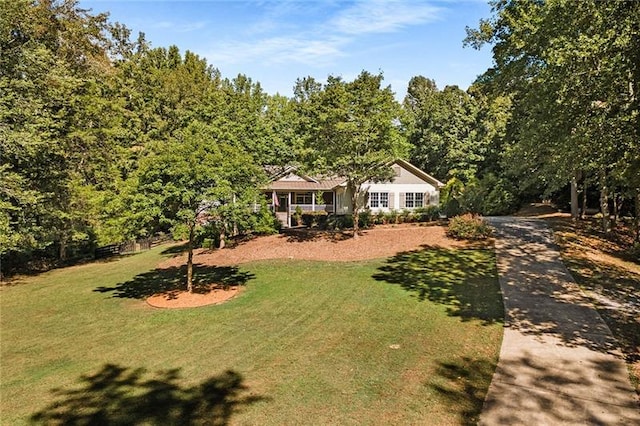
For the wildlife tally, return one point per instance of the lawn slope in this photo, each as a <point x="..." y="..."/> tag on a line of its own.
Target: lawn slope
<point x="411" y="339"/>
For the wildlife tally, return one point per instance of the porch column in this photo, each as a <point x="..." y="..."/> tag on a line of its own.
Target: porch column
<point x="334" y="201"/>
<point x="289" y="210"/>
<point x="313" y="201"/>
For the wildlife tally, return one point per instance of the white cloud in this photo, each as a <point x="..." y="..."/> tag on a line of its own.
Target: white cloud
<point x="277" y="50"/>
<point x="184" y="27"/>
<point x="381" y="16"/>
<point x="319" y="42"/>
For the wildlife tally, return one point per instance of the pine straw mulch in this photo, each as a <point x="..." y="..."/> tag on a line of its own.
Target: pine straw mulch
<point x="304" y="244"/>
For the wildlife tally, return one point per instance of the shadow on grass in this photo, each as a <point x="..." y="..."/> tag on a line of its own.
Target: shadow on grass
<point x="464" y="385"/>
<point x="118" y="395"/>
<point x="465" y="281"/>
<point x="171" y="281"/>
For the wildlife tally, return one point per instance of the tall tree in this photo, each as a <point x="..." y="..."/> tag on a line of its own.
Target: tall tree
<point x="443" y="129"/>
<point x="352" y="130"/>
<point x="186" y="179"/>
<point x="572" y="70"/>
<point x="53" y="55"/>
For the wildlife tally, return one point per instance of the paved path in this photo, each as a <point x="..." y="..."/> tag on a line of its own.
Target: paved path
<point x="559" y="363"/>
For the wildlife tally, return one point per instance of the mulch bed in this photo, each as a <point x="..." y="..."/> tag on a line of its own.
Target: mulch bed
<point x="303" y="244"/>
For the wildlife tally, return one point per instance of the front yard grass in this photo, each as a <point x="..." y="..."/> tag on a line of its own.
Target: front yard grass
<point x="412" y="339"/>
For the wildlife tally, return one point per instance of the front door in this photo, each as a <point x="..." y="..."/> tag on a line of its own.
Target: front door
<point x="283" y="203"/>
<point x="282" y="209"/>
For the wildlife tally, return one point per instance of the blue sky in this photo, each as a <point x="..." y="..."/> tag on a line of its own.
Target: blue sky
<point x="276" y="42"/>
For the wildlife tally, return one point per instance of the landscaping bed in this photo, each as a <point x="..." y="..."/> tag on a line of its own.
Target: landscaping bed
<point x="308" y="244"/>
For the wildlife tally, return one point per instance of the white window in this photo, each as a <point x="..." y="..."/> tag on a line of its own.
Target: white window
<point x="378" y="199"/>
<point x="303" y="198"/>
<point x="413" y="199"/>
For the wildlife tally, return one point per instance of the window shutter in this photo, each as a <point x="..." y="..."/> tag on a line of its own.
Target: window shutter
<point x="425" y="199"/>
<point x="402" y="200"/>
<point x="391" y="200"/>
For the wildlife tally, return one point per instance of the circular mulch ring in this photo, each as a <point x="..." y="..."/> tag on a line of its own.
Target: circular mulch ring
<point x="184" y="299"/>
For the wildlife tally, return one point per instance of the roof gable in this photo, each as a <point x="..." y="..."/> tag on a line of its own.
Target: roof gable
<point x="408" y="167"/>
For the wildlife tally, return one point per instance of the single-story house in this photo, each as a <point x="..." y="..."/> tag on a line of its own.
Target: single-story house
<point x="410" y="188"/>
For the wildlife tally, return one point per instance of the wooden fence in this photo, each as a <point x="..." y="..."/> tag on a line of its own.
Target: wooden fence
<point x="131" y="246"/>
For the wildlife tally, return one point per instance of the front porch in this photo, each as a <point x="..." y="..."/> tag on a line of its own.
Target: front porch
<point x="286" y="204"/>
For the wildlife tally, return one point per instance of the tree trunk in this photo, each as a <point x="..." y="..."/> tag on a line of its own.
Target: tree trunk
<point x="584" y="199"/>
<point x="62" y="249"/>
<point x="190" y="259"/>
<point x="222" y="239"/>
<point x="355" y="193"/>
<point x="636" y="218"/>
<point x="604" y="201"/>
<point x="575" y="213"/>
<point x="617" y="205"/>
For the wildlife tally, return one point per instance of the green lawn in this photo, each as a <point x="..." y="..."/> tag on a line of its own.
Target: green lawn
<point x="408" y="340"/>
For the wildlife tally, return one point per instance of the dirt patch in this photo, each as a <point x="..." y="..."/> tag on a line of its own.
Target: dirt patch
<point x="184" y="299"/>
<point x="379" y="242"/>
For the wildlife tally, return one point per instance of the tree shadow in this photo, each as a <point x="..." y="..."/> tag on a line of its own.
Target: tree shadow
<point x="616" y="295"/>
<point x="171" y="281"/>
<point x="532" y="390"/>
<point x="529" y="389"/>
<point x="541" y="296"/>
<point x="463" y="280"/>
<point x="464" y="384"/>
<point x="118" y="395"/>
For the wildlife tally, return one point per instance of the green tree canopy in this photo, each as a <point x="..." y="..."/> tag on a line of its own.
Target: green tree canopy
<point x="572" y="70"/>
<point x="351" y="129"/>
<point x="185" y="180"/>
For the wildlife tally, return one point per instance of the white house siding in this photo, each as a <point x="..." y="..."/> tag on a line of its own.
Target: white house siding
<point x="395" y="200"/>
<point x="343" y="201"/>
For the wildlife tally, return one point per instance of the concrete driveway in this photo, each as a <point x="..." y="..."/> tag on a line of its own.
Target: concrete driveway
<point x="559" y="363"/>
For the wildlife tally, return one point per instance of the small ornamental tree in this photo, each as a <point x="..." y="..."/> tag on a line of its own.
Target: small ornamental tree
<point x="352" y="130"/>
<point x="187" y="178"/>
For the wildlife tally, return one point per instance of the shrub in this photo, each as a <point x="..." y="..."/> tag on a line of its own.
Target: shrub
<point x="340" y="222"/>
<point x="209" y="243"/>
<point x="391" y="216"/>
<point x="427" y="214"/>
<point x="365" y="219"/>
<point x="405" y="216"/>
<point x="296" y="218"/>
<point x="468" y="227"/>
<point x="265" y="222"/>
<point x="488" y="196"/>
<point x="379" y="218"/>
<point x="499" y="196"/>
<point x="334" y="222"/>
<point x="315" y="219"/>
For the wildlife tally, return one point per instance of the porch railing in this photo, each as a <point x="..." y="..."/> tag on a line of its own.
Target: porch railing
<point x="312" y="208"/>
